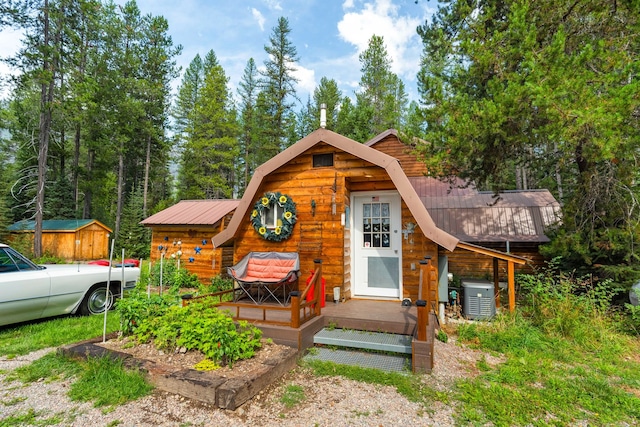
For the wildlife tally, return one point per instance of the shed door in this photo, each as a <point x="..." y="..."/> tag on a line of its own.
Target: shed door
<point x="377" y="245"/>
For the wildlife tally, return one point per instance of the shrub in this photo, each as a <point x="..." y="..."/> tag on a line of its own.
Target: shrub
<point x="173" y="278"/>
<point x="137" y="307"/>
<point x="633" y="321"/>
<point x="197" y="326"/>
<point x="569" y="308"/>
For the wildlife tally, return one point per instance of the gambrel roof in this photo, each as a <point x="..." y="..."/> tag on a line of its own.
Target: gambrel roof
<point x="371" y="155"/>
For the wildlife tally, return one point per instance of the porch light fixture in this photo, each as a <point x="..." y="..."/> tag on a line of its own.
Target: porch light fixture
<point x="313" y="207"/>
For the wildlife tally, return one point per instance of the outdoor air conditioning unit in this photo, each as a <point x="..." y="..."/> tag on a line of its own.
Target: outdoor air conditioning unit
<point x="479" y="302"/>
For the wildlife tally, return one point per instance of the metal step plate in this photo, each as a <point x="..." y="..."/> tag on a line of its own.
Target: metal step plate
<point x="365" y="340"/>
<point x="383" y="362"/>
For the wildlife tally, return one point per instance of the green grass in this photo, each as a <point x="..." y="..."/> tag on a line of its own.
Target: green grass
<point x="103" y="381"/>
<point x="23" y="339"/>
<point x="407" y="384"/>
<point x="551" y="377"/>
<point x="51" y="367"/>
<point x="30" y="418"/>
<point x="292" y="396"/>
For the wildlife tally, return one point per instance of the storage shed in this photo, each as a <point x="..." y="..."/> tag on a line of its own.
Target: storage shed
<point x="70" y="239"/>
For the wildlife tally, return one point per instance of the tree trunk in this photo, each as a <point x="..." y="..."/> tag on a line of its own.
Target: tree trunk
<point x="558" y="176"/>
<point x="119" y="190"/>
<point x="88" y="194"/>
<point x="46" y="98"/>
<point x="76" y="168"/>
<point x="147" y="167"/>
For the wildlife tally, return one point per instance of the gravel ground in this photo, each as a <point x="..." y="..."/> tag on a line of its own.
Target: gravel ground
<point x="328" y="401"/>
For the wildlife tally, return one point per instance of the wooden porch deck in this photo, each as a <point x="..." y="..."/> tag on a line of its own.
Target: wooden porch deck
<point x="360" y="314"/>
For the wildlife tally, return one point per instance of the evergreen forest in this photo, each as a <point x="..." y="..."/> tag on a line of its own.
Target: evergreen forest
<point x="513" y="94"/>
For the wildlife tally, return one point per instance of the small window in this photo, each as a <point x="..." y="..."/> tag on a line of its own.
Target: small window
<point x="272" y="217"/>
<point x="322" y="160"/>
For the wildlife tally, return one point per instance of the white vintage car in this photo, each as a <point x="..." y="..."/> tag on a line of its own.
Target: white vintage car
<point x="29" y="291"/>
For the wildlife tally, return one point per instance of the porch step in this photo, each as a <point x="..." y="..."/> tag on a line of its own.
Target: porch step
<point x="364" y="340"/>
<point x="383" y="362"/>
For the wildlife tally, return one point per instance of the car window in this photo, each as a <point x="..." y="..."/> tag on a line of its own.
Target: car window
<point x="6" y="262"/>
<point x="11" y="260"/>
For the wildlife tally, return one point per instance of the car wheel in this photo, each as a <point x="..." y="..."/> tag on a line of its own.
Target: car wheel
<point x="96" y="299"/>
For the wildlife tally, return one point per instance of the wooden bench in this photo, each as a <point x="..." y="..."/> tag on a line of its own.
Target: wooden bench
<point x="261" y="276"/>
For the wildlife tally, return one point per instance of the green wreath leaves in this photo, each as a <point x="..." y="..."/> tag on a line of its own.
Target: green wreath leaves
<point x="284" y="226"/>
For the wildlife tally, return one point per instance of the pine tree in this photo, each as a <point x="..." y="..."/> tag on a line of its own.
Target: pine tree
<point x="543" y="87"/>
<point x="382" y="93"/>
<point x="278" y="85"/>
<point x="134" y="237"/>
<point x="327" y="93"/>
<point x="207" y="169"/>
<point x="249" y="132"/>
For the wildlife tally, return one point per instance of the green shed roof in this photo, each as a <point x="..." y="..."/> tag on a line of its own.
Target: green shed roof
<point x="54" y="225"/>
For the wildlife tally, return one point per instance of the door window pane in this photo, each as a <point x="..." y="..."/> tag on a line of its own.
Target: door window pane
<point x="376" y="221"/>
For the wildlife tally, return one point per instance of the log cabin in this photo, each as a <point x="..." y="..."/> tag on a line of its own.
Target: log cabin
<point x="356" y="207"/>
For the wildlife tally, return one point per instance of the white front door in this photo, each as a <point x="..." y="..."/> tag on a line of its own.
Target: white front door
<point x="377" y="244"/>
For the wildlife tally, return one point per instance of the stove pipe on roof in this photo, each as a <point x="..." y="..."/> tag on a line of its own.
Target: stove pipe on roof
<point x="323" y="115"/>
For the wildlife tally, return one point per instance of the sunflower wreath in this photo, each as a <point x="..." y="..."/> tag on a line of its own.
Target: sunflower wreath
<point x="285" y="223"/>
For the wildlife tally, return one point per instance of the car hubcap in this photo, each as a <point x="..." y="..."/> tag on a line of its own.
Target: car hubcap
<point x="98" y="300"/>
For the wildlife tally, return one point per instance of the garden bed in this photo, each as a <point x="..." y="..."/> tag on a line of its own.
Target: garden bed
<point x="226" y="387"/>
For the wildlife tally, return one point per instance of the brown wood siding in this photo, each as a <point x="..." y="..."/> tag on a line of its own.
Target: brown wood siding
<point x="207" y="264"/>
<point x="321" y="234"/>
<point x="463" y="263"/>
<point x="414" y="249"/>
<point x="60" y="244"/>
<point x="94" y="243"/>
<point x="86" y="244"/>
<point x="409" y="162"/>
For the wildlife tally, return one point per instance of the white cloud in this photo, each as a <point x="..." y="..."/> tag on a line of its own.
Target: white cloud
<point x="273" y="4"/>
<point x="258" y="17"/>
<point x="381" y="18"/>
<point x="306" y="79"/>
<point x="348" y="4"/>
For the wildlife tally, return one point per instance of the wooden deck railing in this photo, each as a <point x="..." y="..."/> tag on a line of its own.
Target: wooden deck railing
<point x="300" y="309"/>
<point x="428" y="297"/>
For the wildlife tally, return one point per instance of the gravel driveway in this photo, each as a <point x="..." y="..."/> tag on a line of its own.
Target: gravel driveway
<point x="329" y="401"/>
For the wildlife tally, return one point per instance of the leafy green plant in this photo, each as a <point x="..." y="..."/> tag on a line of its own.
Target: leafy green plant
<point x="218" y="283"/>
<point x="138" y="306"/>
<point x="48" y="258"/>
<point x="442" y="336"/>
<point x="201" y="327"/>
<point x="206" y="365"/>
<point x="173" y="278"/>
<point x="565" y="359"/>
<point x="633" y="321"/>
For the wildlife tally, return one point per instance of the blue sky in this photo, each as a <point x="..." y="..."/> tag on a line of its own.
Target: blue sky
<point x="328" y="35"/>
